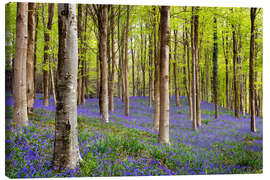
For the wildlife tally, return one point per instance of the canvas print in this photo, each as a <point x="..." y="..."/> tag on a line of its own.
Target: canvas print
<point x="95" y="90"/>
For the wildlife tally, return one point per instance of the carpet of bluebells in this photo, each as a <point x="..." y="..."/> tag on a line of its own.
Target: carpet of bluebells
<point x="127" y="146"/>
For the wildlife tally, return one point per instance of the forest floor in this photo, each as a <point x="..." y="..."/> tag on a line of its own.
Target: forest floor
<point x="127" y="146"/>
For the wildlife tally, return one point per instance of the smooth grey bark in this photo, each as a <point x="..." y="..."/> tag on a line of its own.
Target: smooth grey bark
<point x="66" y="147"/>
<point x="163" y="136"/>
<point x="20" y="98"/>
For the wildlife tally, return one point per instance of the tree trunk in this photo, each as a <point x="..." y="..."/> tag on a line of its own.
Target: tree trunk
<point x="157" y="83"/>
<point x="226" y="52"/>
<point x="189" y="78"/>
<point x="119" y="55"/>
<point x="30" y="57"/>
<point x="175" y="71"/>
<point x="251" y="70"/>
<point x="163" y="136"/>
<point x="66" y="146"/>
<point x="215" y="69"/>
<point x="46" y="54"/>
<point x="133" y="67"/>
<point x="84" y="64"/>
<point x="79" y="80"/>
<point x="126" y="67"/>
<point x="150" y="54"/>
<point x="53" y="86"/>
<point x="235" y="75"/>
<point x="103" y="23"/>
<point x="194" y="81"/>
<point x="111" y="83"/>
<point x="197" y="69"/>
<point x="20" y="98"/>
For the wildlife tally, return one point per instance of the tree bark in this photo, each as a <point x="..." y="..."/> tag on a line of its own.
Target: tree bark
<point x="102" y="24"/>
<point x="20" y="98"/>
<point x="194" y="84"/>
<point x="111" y="83"/>
<point x="126" y="66"/>
<point x="197" y="69"/>
<point x="150" y="54"/>
<point x="30" y="57"/>
<point x="66" y="146"/>
<point x="235" y="74"/>
<point x="251" y="70"/>
<point x="175" y="71"/>
<point x="46" y="54"/>
<point x="79" y="80"/>
<point x="189" y="77"/>
<point x="163" y="136"/>
<point x="215" y="69"/>
<point x="157" y="83"/>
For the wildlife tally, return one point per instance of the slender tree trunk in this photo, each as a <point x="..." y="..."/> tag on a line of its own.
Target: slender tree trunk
<point x="251" y="70"/>
<point x="215" y="69"/>
<point x="46" y="54"/>
<point x="53" y="85"/>
<point x="194" y="81"/>
<point x="235" y="74"/>
<point x="197" y="69"/>
<point x="133" y="67"/>
<point x="126" y="66"/>
<point x="111" y="84"/>
<point x="150" y="99"/>
<point x="175" y="71"/>
<point x="79" y="87"/>
<point x="20" y="98"/>
<point x="84" y="64"/>
<point x="35" y="54"/>
<point x="226" y="52"/>
<point x="66" y="146"/>
<point x="30" y="57"/>
<point x="189" y="77"/>
<point x="157" y="83"/>
<point x="163" y="136"/>
<point x="97" y="71"/>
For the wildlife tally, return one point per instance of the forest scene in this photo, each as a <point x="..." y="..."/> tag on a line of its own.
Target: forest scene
<point x="97" y="90"/>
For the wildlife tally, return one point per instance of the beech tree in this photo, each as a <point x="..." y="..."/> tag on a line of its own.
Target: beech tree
<point x="20" y="98"/>
<point x="215" y="68"/>
<point x="163" y="136"/>
<point x="101" y="12"/>
<point x="30" y="57"/>
<point x="66" y="146"/>
<point x="126" y="67"/>
<point x="251" y="70"/>
<point x="47" y="57"/>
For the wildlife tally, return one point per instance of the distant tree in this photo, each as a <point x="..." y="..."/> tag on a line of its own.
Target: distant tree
<point x="66" y="146"/>
<point x="251" y="70"/>
<point x="163" y="136"/>
<point x="30" y="57"/>
<point x="194" y="81"/>
<point x="235" y="74"/>
<point x="47" y="57"/>
<point x="20" y="98"/>
<point x="175" y="70"/>
<point x="215" y="68"/>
